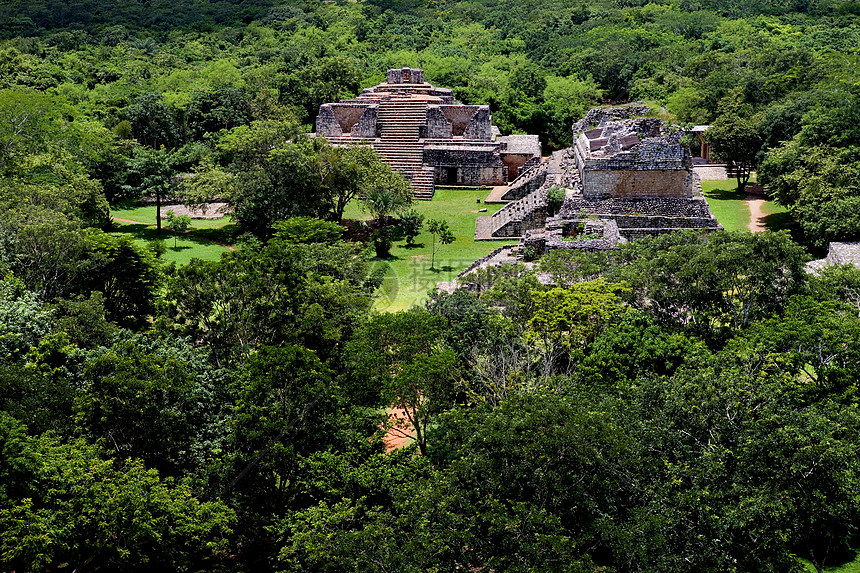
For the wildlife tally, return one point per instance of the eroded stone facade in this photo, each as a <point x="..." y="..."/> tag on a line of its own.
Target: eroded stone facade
<point x="632" y="171"/>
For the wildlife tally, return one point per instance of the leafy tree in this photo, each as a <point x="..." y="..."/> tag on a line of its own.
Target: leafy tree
<point x="153" y="123"/>
<point x="23" y="319"/>
<point x="398" y="354"/>
<point x="152" y="401"/>
<point x="410" y="223"/>
<point x="446" y="237"/>
<point x="737" y="138"/>
<point x="309" y="230"/>
<point x="69" y="503"/>
<point x="308" y="294"/>
<point x="385" y="194"/>
<point x="26" y="122"/>
<point x="151" y="173"/>
<point x="369" y="514"/>
<point x="177" y="223"/>
<point x="571" y="318"/>
<point x="126" y="274"/>
<point x="45" y="249"/>
<point x="720" y="283"/>
<point x="213" y="110"/>
<point x="286" y="410"/>
<point x="275" y="180"/>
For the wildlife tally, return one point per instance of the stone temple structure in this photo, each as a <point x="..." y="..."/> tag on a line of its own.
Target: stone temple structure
<point x="425" y="135"/>
<point x="629" y="170"/>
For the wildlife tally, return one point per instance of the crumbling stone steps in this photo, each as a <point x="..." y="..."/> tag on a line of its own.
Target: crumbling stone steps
<point x="515" y="218"/>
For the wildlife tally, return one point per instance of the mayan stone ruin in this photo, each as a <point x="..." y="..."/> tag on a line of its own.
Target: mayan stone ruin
<point x="626" y="169"/>
<point x="428" y="137"/>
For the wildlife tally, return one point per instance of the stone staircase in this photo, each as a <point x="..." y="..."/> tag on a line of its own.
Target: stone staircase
<point x="514" y="219"/>
<point x="399" y="144"/>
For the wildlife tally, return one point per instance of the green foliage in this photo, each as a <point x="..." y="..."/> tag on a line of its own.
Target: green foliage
<point x="23" y="319"/>
<point x="721" y="282"/>
<point x="737" y="140"/>
<point x="411" y="222"/>
<point x="702" y="418"/>
<point x="573" y="317"/>
<point x="177" y="223"/>
<point x="439" y="227"/>
<point x="280" y="293"/>
<point x="308" y="230"/>
<point x="152" y="122"/>
<point x="150" y="400"/>
<point x="555" y="197"/>
<point x="69" y="503"/>
<point x="275" y="179"/>
<point x="398" y="354"/>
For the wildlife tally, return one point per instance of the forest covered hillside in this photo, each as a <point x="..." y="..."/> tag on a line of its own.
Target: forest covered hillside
<point x="686" y="402"/>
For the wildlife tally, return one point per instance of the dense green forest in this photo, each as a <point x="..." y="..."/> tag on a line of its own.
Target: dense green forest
<point x="685" y="403"/>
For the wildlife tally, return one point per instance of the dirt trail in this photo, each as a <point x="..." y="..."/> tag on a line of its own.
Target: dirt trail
<point x="400" y="433"/>
<point x="755" y="203"/>
<point x="190" y="234"/>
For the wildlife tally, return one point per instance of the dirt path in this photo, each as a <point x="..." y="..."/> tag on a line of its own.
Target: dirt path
<point x="755" y="203"/>
<point x="400" y="432"/>
<point x="190" y="234"/>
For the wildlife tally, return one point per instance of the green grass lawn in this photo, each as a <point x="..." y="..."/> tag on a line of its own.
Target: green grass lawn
<point x="730" y="208"/>
<point x="727" y="205"/>
<point x="776" y="218"/>
<point x="186" y="247"/>
<point x="410" y="277"/>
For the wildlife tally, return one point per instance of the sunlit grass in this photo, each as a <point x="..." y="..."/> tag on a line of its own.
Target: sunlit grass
<point x="201" y="242"/>
<point x="410" y="277"/>
<point x="727" y="205"/>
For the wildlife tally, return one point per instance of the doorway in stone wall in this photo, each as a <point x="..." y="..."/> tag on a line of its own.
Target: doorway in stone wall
<point x="450" y="175"/>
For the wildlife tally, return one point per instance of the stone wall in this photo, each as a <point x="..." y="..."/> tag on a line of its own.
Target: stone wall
<point x="441" y="154"/>
<point x="367" y="125"/>
<point x="347" y="115"/>
<point x="530" y="182"/>
<point x="636" y="183"/>
<point x="468" y="176"/>
<point x="655" y="207"/>
<point x="480" y="126"/>
<point x="405" y="76"/>
<point x="326" y="123"/>
<point x="514" y="162"/>
<point x="438" y="126"/>
<point x="600" y="115"/>
<point x="459" y="117"/>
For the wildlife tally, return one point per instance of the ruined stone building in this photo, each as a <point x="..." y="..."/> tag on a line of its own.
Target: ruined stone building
<point x="425" y="135"/>
<point x="624" y="178"/>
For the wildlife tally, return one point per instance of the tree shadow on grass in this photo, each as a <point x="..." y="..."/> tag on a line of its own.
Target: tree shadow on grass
<point x="779" y="222"/>
<point x="725" y="195"/>
<point x="148" y="233"/>
<point x="228" y="234"/>
<point x="414" y="246"/>
<point x="443" y="269"/>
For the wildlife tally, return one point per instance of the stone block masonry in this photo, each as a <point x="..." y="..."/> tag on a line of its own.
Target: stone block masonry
<point x="425" y="135"/>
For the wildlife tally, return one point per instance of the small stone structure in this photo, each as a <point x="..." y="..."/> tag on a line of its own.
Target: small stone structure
<point x="582" y="234"/>
<point x="425" y="135"/>
<point x="837" y="254"/>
